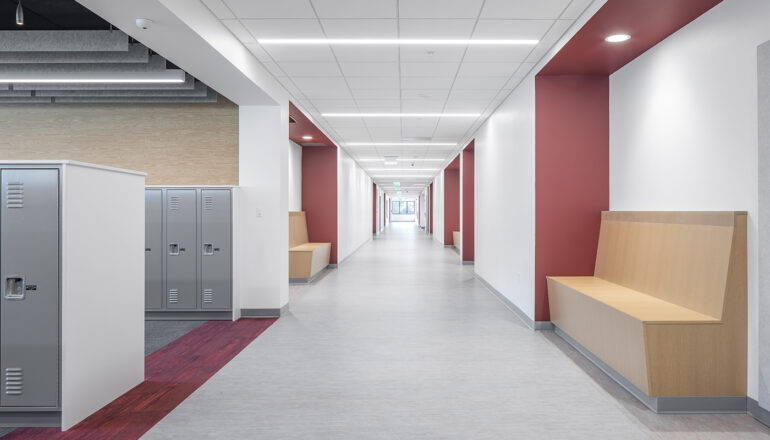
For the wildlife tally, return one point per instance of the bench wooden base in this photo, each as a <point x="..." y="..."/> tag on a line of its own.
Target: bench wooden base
<point x="309" y="259"/>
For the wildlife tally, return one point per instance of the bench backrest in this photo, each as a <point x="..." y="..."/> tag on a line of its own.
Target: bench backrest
<point x="297" y="228"/>
<point x="680" y="257"/>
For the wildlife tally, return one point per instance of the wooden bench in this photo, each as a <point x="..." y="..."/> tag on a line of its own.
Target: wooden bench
<point x="666" y="307"/>
<point x="306" y="260"/>
<point x="456" y="239"/>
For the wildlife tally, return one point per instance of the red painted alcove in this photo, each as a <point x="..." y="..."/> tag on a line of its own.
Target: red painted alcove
<point x="319" y="180"/>
<point x="374" y="208"/>
<point x="430" y="207"/>
<point x="572" y="131"/>
<point x="451" y="200"/>
<point x="468" y="201"/>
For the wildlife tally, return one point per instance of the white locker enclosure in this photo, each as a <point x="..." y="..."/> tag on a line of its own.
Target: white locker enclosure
<point x="71" y="310"/>
<point x="188" y="253"/>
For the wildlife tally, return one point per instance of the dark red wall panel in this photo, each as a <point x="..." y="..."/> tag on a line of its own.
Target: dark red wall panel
<point x="451" y="203"/>
<point x="374" y="208"/>
<point x="571" y="176"/>
<point x="430" y="209"/>
<point x="319" y="195"/>
<point x="468" y="211"/>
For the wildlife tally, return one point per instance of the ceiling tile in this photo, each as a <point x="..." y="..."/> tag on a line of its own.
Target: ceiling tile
<point x="480" y="82"/>
<point x="361" y="28"/>
<point x="378" y="103"/>
<point x="310" y="69"/>
<point x="239" y="31"/>
<point x="575" y="9"/>
<point x="273" y="69"/>
<point x="422" y="105"/>
<point x="429" y="69"/>
<point x="466" y="106"/>
<point x="284" y="28"/>
<point x="366" y="53"/>
<point x="524" y="69"/>
<point x="438" y="54"/>
<point x="488" y="69"/>
<point x="424" y="28"/>
<point x="417" y="132"/>
<point x="488" y="54"/>
<point x="354" y="133"/>
<point x="327" y="94"/>
<point x="512" y="29"/>
<point x="439" y="8"/>
<point x="383" y="122"/>
<point x="426" y="82"/>
<point x="419" y="122"/>
<point x="523" y="9"/>
<point x="373" y="82"/>
<point x="355" y="8"/>
<point x="375" y="93"/>
<point x="219" y="8"/>
<point x="513" y="82"/>
<point x="426" y="94"/>
<point x="300" y="53"/>
<point x="320" y="83"/>
<point x="473" y="94"/>
<point x="370" y="69"/>
<point x="258" y="52"/>
<point x="271" y="8"/>
<point x="385" y="134"/>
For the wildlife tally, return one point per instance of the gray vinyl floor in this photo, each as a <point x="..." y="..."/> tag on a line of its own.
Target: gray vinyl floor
<point x="402" y="342"/>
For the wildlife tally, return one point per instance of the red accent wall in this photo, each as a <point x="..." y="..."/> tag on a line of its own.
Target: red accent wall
<point x="319" y="195"/>
<point x="468" y="200"/>
<point x="451" y="204"/>
<point x="571" y="176"/>
<point x="374" y="208"/>
<point x="430" y="208"/>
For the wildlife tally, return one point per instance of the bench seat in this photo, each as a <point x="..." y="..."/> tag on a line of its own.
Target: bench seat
<point x="306" y="259"/>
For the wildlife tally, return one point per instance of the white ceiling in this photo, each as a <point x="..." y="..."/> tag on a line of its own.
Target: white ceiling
<point x="393" y="79"/>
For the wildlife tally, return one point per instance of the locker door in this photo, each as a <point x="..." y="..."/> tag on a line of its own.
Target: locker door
<point x="29" y="272"/>
<point x="181" y="245"/>
<point x="215" y="249"/>
<point x="153" y="249"/>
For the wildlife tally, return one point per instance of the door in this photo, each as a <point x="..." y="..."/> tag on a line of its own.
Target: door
<point x="215" y="248"/>
<point x="29" y="272"/>
<point x="180" y="251"/>
<point x="153" y="249"/>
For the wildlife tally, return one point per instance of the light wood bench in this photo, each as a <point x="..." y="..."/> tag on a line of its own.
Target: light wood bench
<point x="306" y="260"/>
<point x="666" y="307"/>
<point x="456" y="239"/>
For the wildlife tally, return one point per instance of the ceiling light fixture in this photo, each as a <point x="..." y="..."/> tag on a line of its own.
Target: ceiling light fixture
<point x="168" y="76"/>
<point x="307" y="137"/>
<point x="396" y="41"/>
<point x="410" y="160"/>
<point x="398" y="144"/>
<point x="402" y="169"/>
<point x="404" y="176"/>
<point x="19" y="15"/>
<point x="401" y="115"/>
<point x="617" y="38"/>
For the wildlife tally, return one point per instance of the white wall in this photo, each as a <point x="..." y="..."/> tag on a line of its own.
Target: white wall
<point x="683" y="126"/>
<point x="295" y="177"/>
<point x="438" y="208"/>
<point x="354" y="205"/>
<point x="505" y="198"/>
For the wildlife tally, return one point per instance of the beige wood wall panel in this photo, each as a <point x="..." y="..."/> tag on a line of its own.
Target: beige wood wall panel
<point x="676" y="257"/>
<point x="612" y="336"/>
<point x="175" y="144"/>
<point x="297" y="228"/>
<point x="690" y="355"/>
<point x="300" y="264"/>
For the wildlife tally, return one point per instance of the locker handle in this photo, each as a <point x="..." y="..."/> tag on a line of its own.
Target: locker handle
<point x="173" y="248"/>
<point x="208" y="249"/>
<point x="14" y="288"/>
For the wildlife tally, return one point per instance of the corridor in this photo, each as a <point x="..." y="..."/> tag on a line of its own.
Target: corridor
<point x="402" y="342"/>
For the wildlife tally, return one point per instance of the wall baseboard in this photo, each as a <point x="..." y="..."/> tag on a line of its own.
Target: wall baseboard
<point x="468" y="263"/>
<point x="264" y="313"/>
<point x="312" y="279"/>
<point x="754" y="410"/>
<point x="664" y="404"/>
<point x="508" y="303"/>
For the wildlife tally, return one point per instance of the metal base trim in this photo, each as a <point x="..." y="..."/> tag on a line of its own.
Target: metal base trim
<point x="320" y="273"/>
<point x="754" y="410"/>
<point x="663" y="404"/>
<point x="193" y="315"/>
<point x="508" y="303"/>
<point x="30" y="419"/>
<point x="544" y="325"/>
<point x="264" y="313"/>
<point x="468" y="263"/>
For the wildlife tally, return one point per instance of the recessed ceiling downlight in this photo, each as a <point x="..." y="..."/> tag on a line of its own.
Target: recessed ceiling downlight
<point x="307" y="137"/>
<point x="617" y="38"/>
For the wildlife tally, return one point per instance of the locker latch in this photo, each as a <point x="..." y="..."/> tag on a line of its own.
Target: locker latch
<point x="173" y="248"/>
<point x="14" y="288"/>
<point x="208" y="249"/>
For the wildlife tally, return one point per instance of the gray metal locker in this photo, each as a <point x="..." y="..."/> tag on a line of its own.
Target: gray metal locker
<point x="29" y="269"/>
<point x="153" y="249"/>
<point x="215" y="249"/>
<point x="181" y="249"/>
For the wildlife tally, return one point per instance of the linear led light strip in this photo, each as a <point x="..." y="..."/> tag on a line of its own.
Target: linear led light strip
<point x="401" y="169"/>
<point x="401" y="115"/>
<point x="169" y="76"/>
<point x="399" y="144"/>
<point x="402" y="160"/>
<point x="396" y="42"/>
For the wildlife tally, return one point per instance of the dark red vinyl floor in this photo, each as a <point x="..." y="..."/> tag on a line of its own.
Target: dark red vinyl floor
<point x="171" y="375"/>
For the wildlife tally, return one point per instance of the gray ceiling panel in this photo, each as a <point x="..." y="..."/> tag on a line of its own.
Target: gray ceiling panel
<point x="188" y="84"/>
<point x="24" y="100"/>
<point x="8" y="93"/>
<point x="56" y="41"/>
<point x="156" y="64"/>
<point x="136" y="53"/>
<point x="211" y="97"/>
<point x="200" y="90"/>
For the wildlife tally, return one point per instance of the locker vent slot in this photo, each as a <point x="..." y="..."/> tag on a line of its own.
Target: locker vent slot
<point x="173" y="203"/>
<point x="208" y="296"/>
<point x="173" y="296"/>
<point x="208" y="203"/>
<point x="14" y="195"/>
<point x="14" y="381"/>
